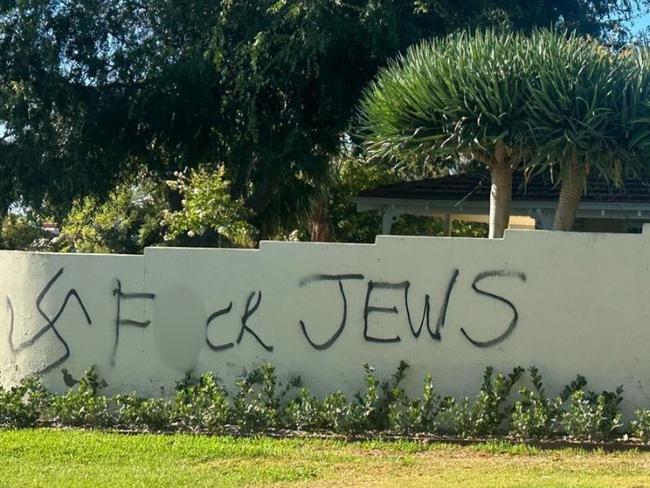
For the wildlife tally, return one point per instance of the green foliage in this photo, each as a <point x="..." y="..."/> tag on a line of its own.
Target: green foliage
<point x="131" y="411"/>
<point x="460" y="98"/>
<point x="578" y="384"/>
<point x="201" y="406"/>
<point x="208" y="207"/>
<point x="306" y="412"/>
<point x="126" y="222"/>
<point x="339" y="414"/>
<point x="262" y="404"/>
<point x="138" y="214"/>
<point x="92" y="91"/>
<point x="82" y="407"/>
<point x="334" y="413"/>
<point x="553" y="98"/>
<point x="641" y="424"/>
<point x="586" y="105"/>
<point x="350" y="174"/>
<point x="21" y="405"/>
<point x="591" y="416"/>
<point x="24" y="233"/>
<point x="487" y="413"/>
<point x="457" y="418"/>
<point x="392" y="395"/>
<point x="367" y="413"/>
<point x="409" y="416"/>
<point x="490" y="407"/>
<point x="447" y="99"/>
<point x="382" y="405"/>
<point x="461" y="228"/>
<point x="258" y="403"/>
<point x="535" y="415"/>
<point x="553" y="101"/>
<point x="293" y="71"/>
<point x="417" y="225"/>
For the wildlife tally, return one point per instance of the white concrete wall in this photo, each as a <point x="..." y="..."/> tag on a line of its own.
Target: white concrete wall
<point x="569" y="303"/>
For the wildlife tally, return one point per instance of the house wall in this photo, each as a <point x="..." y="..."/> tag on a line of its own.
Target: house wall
<point x="566" y="302"/>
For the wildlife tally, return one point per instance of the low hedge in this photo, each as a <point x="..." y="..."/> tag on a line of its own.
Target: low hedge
<point x="259" y="403"/>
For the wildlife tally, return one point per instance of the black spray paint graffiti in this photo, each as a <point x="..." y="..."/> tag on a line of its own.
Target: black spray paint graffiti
<point x="212" y="318"/>
<point x="254" y="301"/>
<point x="515" y="317"/>
<point x="425" y="320"/>
<point x="248" y="313"/>
<point x="50" y="324"/>
<point x="426" y="313"/>
<point x="119" y="321"/>
<point x="339" y="331"/>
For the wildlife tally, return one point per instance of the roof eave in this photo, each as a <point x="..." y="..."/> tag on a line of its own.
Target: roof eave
<point x="410" y="206"/>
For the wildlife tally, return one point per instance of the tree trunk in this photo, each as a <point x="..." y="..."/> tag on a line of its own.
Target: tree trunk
<point x="320" y="226"/>
<point x="500" y="197"/>
<point x="573" y="186"/>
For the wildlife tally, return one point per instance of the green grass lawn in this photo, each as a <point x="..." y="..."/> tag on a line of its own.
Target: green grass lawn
<point x="46" y="458"/>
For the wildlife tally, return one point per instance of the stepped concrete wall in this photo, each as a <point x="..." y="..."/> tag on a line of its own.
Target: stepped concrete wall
<point x="566" y="302"/>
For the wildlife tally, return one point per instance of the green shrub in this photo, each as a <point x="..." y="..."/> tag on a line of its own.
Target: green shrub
<point x="490" y="409"/>
<point x="201" y="405"/>
<point x="641" y="424"/>
<point x="591" y="416"/>
<point x="487" y="413"/>
<point x="125" y="221"/>
<point x="340" y="415"/>
<point x="82" y="407"/>
<point x="306" y="412"/>
<point x="407" y="416"/>
<point x="380" y="406"/>
<point x="394" y="401"/>
<point x="365" y="413"/>
<point x="535" y="416"/>
<point x="24" y="232"/>
<point x="578" y="384"/>
<point x="258" y="403"/>
<point x="152" y="414"/>
<point x="369" y="409"/>
<point x="21" y="405"/>
<point x="456" y="418"/>
<point x="580" y="414"/>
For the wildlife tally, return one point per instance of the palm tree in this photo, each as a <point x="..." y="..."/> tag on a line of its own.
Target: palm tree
<point x="585" y="113"/>
<point x="461" y="97"/>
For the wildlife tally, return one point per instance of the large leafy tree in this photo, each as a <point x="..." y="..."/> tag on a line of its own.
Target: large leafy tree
<point x="294" y="71"/>
<point x="588" y="112"/>
<point x="459" y="97"/>
<point x="89" y="90"/>
<point x="557" y="102"/>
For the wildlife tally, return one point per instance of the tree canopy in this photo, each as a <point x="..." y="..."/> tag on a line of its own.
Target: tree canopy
<point x="553" y="100"/>
<point x="459" y="97"/>
<point x="91" y="91"/>
<point x="587" y="112"/>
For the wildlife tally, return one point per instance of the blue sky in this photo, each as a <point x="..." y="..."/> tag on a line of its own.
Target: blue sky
<point x="641" y="23"/>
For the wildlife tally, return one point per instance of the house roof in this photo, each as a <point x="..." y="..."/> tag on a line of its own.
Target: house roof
<point x="476" y="187"/>
<point x="469" y="195"/>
